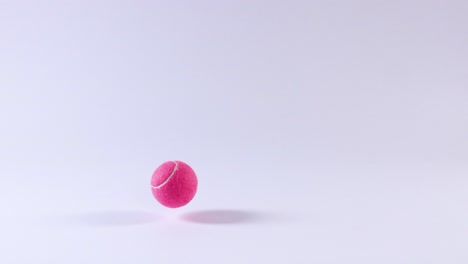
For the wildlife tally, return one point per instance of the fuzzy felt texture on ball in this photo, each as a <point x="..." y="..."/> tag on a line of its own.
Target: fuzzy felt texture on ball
<point x="174" y="184"/>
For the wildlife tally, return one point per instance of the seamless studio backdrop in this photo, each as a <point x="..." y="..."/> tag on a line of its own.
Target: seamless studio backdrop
<point x="321" y="131"/>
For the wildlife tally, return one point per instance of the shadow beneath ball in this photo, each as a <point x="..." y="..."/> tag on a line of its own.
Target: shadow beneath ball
<point x="112" y="218"/>
<point x="225" y="217"/>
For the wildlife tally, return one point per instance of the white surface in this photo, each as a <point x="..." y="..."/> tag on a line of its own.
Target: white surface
<point x="321" y="132"/>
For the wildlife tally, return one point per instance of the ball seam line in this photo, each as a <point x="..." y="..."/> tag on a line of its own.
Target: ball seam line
<point x="168" y="178"/>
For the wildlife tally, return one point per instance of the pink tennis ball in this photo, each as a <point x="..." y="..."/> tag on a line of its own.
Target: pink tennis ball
<point x="174" y="184"/>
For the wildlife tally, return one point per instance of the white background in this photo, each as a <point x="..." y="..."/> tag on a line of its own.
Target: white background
<point x="321" y="131"/>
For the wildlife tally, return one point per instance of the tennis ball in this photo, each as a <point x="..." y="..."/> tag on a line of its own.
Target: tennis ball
<point x="174" y="184"/>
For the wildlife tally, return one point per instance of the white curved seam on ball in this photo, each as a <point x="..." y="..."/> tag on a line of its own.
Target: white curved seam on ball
<point x="168" y="178"/>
